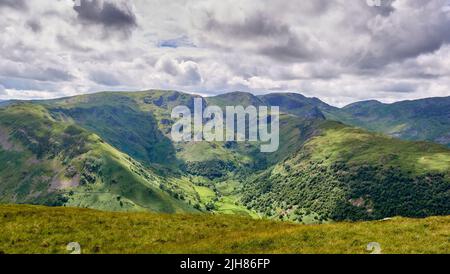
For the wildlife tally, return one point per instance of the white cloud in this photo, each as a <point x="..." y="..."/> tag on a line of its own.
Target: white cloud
<point x="340" y="51"/>
<point x="183" y="72"/>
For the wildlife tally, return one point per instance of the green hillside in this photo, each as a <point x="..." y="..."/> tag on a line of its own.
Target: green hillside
<point x="46" y="161"/>
<point x="112" y="151"/>
<point x="27" y="229"/>
<point x="346" y="173"/>
<point x="416" y="120"/>
<point x="235" y="99"/>
<point x="425" y="119"/>
<point x="289" y="103"/>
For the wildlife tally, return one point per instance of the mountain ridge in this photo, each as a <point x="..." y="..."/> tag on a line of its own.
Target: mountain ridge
<point x="348" y="166"/>
<point x="222" y="94"/>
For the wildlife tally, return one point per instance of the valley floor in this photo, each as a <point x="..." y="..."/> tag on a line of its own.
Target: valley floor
<point x="36" y="229"/>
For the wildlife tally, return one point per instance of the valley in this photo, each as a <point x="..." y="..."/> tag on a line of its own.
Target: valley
<point x="112" y="151"/>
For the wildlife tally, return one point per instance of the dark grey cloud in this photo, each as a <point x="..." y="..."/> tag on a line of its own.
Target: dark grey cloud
<point x="384" y="7"/>
<point x="293" y="49"/>
<point x="256" y="25"/>
<point x="400" y="87"/>
<point x="113" y="16"/>
<point x="421" y="27"/>
<point x="54" y="74"/>
<point x="182" y="41"/>
<point x="293" y="32"/>
<point x="71" y="44"/>
<point x="169" y="66"/>
<point x="271" y="37"/>
<point x="15" y="4"/>
<point x="35" y="73"/>
<point x="25" y="84"/>
<point x="34" y="25"/>
<point x="104" y="78"/>
<point x="192" y="75"/>
<point x="389" y="47"/>
<point x="186" y="72"/>
<point x="17" y="52"/>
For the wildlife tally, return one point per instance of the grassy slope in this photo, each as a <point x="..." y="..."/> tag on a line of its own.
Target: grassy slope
<point x="119" y="120"/>
<point x="352" y="145"/>
<point x="349" y="173"/>
<point x="138" y="124"/>
<point x="425" y="119"/>
<point x="38" y="151"/>
<point x="27" y="229"/>
<point x="127" y="121"/>
<point x="399" y="169"/>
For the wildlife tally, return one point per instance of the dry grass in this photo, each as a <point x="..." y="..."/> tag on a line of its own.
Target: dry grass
<point x="31" y="229"/>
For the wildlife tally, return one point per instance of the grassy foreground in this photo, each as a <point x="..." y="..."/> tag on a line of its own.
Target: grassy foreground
<point x="35" y="229"/>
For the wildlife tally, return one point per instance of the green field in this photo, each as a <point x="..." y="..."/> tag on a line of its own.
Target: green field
<point x="36" y="229"/>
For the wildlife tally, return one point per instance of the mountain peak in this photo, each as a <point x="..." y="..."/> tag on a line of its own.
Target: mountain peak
<point x="235" y="98"/>
<point x="236" y="94"/>
<point x="367" y="103"/>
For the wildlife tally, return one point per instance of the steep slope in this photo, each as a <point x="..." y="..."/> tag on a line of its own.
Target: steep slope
<point x="345" y="173"/>
<point x="203" y="173"/>
<point x="139" y="124"/>
<point x="118" y="119"/>
<point x="46" y="161"/>
<point x="426" y="119"/>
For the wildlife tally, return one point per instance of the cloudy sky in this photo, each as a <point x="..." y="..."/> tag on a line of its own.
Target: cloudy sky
<point x="340" y="51"/>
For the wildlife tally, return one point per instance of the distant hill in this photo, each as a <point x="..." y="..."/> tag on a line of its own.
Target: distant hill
<point x="425" y="119"/>
<point x="113" y="151"/>
<point x="417" y="120"/>
<point x="297" y="104"/>
<point x="4" y="103"/>
<point x="236" y="98"/>
<point x="291" y="103"/>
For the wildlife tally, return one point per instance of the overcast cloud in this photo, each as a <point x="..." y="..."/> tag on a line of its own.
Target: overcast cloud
<point x="340" y="51"/>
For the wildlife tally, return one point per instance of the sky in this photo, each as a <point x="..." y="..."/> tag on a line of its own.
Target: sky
<point x="340" y="51"/>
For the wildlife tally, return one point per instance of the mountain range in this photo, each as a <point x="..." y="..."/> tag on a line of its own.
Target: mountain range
<point x="425" y="119"/>
<point x="416" y="120"/>
<point x="112" y="151"/>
